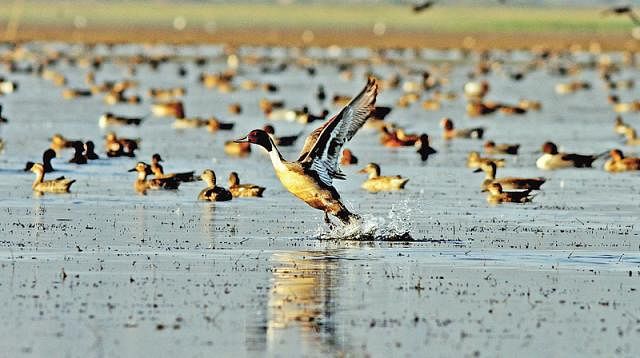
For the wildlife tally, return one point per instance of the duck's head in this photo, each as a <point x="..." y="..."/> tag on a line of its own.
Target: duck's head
<point x="110" y="137"/>
<point x="57" y="138"/>
<point x="372" y="169"/>
<point x="618" y="120"/>
<point x="495" y="188"/>
<point x="37" y="168"/>
<point x="616" y="154"/>
<point x="208" y="176"/>
<point x="78" y="146"/>
<point x="259" y="137"/>
<point x="424" y="139"/>
<point x="446" y="123"/>
<point x="89" y="146"/>
<point x="473" y="156"/>
<point x="234" y="179"/>
<point x="489" y="144"/>
<point x="487" y="167"/>
<point x="141" y="167"/>
<point x="269" y="129"/>
<point x="156" y="158"/>
<point x="549" y="148"/>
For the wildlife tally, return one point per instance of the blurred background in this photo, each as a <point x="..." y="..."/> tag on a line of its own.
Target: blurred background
<point x="440" y="24"/>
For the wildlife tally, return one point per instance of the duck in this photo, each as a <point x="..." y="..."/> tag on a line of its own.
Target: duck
<point x="376" y="183"/>
<point x="120" y="147"/>
<point x="158" y="171"/>
<point x="2" y="119"/>
<point x="310" y="177"/>
<point x="424" y="148"/>
<point x="166" y="94"/>
<point x="78" y="155"/>
<point x="168" y="109"/>
<point x="476" y="90"/>
<point x="72" y="93"/>
<point x="490" y="147"/>
<point x="620" y="126"/>
<point x="235" y="108"/>
<point x="449" y="131"/>
<point x="213" y="192"/>
<point x="620" y="163"/>
<point x="497" y="195"/>
<point x="59" y="142"/>
<point x="478" y="108"/>
<point x="89" y="151"/>
<point x="109" y="119"/>
<point x="348" y="158"/>
<point x="47" y="156"/>
<point x="141" y="184"/>
<point x="236" y="149"/>
<point x="474" y="160"/>
<point x="397" y="137"/>
<point x="284" y="141"/>
<point x="552" y="159"/>
<point x="243" y="190"/>
<point x="508" y="183"/>
<point x="59" y="185"/>
<point x="632" y="137"/>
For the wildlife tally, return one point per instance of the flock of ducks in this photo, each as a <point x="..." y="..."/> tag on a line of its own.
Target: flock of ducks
<point x="310" y="176"/>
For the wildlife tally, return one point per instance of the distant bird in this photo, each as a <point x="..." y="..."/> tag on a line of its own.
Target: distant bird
<point x="310" y="178"/>
<point x="243" y="190"/>
<point x="89" y="151"/>
<point x="474" y="161"/>
<point x="158" y="171"/>
<point x="141" y="184"/>
<point x="498" y="196"/>
<point x="420" y="7"/>
<point x="78" y="155"/>
<point x="620" y="163"/>
<point x="509" y="183"/>
<point x="59" y="185"/>
<point x="213" y="192"/>
<point x="490" y="147"/>
<point x="120" y="147"/>
<point x="376" y="182"/>
<point x="622" y="10"/>
<point x="348" y="158"/>
<point x="552" y="159"/>
<point x="424" y="149"/>
<point x="3" y="119"/>
<point x="110" y="119"/>
<point x="449" y="131"/>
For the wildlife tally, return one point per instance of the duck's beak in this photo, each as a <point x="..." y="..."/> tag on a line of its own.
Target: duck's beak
<point x="244" y="139"/>
<point x="132" y="170"/>
<point x="362" y="171"/>
<point x="199" y="177"/>
<point x="28" y="166"/>
<point x="477" y="170"/>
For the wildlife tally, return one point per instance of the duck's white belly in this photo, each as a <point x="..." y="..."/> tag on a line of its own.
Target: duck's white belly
<point x="552" y="161"/>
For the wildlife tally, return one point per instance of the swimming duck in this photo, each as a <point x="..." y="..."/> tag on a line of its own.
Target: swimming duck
<point x="58" y="142"/>
<point x="376" y="182"/>
<point x="632" y="137"/>
<point x="109" y="119"/>
<point x="620" y="126"/>
<point x="508" y="183"/>
<point x="47" y="156"/>
<point x="450" y="132"/>
<point x="572" y="87"/>
<point x="168" y="109"/>
<point x="552" y="159"/>
<point x="71" y="93"/>
<point x="424" y="148"/>
<point x="235" y="108"/>
<point x="348" y="158"/>
<point x="236" y="149"/>
<point x="158" y="171"/>
<point x="497" y="195"/>
<point x="142" y="184"/>
<point x="478" y="108"/>
<point x="213" y="192"/>
<point x="474" y="161"/>
<point x="59" y="185"/>
<point x="78" y="155"/>
<point x="476" y="90"/>
<point x="284" y="141"/>
<point x="490" y="147"/>
<point x="397" y="137"/>
<point x="2" y="119"/>
<point x="89" y="150"/>
<point x="120" y="147"/>
<point x="310" y="177"/>
<point x="166" y="94"/>
<point x="243" y="190"/>
<point x="620" y="163"/>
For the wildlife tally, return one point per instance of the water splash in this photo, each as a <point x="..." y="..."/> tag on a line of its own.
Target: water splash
<point x="396" y="226"/>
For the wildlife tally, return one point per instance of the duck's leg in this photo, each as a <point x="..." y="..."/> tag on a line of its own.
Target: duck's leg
<point x="328" y="221"/>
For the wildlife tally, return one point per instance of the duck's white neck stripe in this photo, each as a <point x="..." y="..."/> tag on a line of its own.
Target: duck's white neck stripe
<point x="276" y="157"/>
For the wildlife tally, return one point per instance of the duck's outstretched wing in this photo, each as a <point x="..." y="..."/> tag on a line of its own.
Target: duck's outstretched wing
<point x="322" y="149"/>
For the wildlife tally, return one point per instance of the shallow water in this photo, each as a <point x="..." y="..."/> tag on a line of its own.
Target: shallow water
<point x="163" y="274"/>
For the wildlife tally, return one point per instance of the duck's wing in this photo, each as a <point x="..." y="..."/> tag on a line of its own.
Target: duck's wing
<point x="323" y="153"/>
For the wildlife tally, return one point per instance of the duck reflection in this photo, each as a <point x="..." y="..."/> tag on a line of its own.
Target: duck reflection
<point x="300" y="304"/>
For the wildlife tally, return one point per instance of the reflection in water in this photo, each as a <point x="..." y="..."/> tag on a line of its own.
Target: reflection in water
<point x="300" y="305"/>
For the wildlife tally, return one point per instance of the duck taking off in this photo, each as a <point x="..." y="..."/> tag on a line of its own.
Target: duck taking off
<point x="310" y="178"/>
